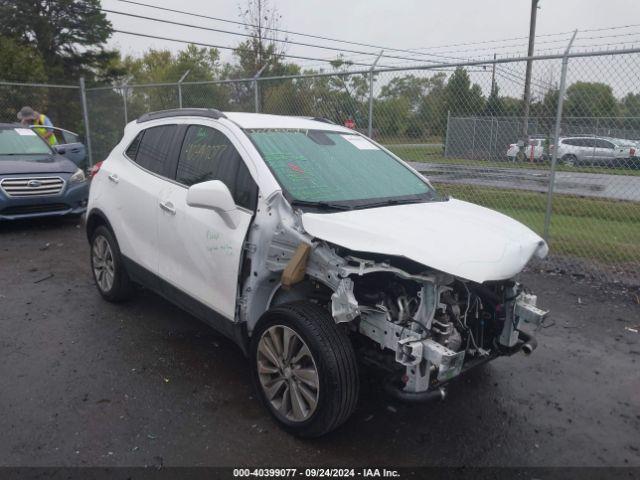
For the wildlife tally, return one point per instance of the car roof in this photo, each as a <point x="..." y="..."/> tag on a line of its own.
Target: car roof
<point x="246" y="120"/>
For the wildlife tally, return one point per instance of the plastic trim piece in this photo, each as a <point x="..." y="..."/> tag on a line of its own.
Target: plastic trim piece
<point x="182" y="112"/>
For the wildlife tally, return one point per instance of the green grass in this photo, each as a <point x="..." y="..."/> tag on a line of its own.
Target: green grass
<point x="435" y="155"/>
<point x="595" y="229"/>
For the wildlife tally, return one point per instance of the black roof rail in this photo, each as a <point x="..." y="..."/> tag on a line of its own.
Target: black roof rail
<point x="182" y="112"/>
<point x="322" y="119"/>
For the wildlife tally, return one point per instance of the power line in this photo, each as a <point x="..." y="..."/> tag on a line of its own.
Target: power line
<point x="225" y="47"/>
<point x="617" y="27"/>
<point x="290" y="32"/>
<point x="271" y="39"/>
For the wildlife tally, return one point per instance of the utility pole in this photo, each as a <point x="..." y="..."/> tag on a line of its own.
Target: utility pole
<point x="527" y="79"/>
<point x="493" y="74"/>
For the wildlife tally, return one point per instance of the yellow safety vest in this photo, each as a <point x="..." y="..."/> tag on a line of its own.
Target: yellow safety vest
<point x="43" y="131"/>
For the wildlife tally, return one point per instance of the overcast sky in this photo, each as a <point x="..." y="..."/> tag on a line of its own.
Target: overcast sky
<point x="436" y="25"/>
<point x="397" y="23"/>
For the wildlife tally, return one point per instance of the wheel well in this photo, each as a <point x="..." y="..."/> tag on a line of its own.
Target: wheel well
<point x="95" y="219"/>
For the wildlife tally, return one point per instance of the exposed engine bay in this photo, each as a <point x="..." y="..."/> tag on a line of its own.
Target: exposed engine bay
<point x="439" y="327"/>
<point x="422" y="325"/>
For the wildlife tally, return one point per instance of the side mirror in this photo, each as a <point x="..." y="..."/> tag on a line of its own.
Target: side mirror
<point x="214" y="195"/>
<point x="60" y="149"/>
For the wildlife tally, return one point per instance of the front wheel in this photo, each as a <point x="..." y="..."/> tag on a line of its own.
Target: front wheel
<point x="304" y="369"/>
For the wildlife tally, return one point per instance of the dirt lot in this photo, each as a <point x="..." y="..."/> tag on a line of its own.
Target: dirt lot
<point x="83" y="382"/>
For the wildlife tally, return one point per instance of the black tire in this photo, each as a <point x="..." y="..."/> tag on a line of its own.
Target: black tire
<point x="333" y="357"/>
<point x="121" y="287"/>
<point x="570" y="160"/>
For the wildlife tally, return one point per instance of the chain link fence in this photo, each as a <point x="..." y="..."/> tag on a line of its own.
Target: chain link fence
<point x="572" y="175"/>
<point x="61" y="103"/>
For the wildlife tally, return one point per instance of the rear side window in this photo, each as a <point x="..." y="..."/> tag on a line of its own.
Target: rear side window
<point x="207" y="154"/>
<point x="132" y="151"/>
<point x="152" y="149"/>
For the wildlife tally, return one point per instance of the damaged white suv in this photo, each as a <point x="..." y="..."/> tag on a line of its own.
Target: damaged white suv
<point x="311" y="247"/>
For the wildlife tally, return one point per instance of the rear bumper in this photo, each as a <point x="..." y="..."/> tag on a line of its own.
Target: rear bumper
<point x="72" y="201"/>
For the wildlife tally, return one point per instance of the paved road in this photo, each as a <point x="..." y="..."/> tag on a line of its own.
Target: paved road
<point x="602" y="185"/>
<point x="84" y="382"/>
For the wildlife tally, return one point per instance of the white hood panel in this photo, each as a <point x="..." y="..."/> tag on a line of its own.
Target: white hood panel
<point x="455" y="237"/>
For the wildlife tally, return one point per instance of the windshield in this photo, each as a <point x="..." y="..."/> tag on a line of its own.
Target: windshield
<point x="22" y="141"/>
<point x="315" y="166"/>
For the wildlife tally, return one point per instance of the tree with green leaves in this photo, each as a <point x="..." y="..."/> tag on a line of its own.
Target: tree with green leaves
<point x="630" y="105"/>
<point x="163" y="66"/>
<point x="69" y="35"/>
<point x="414" y="103"/>
<point x="590" y="99"/>
<point x="463" y="97"/>
<point x="262" y="51"/>
<point x="495" y="105"/>
<point x="17" y="63"/>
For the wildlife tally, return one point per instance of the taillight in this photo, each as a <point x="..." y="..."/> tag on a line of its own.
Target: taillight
<point x="632" y="152"/>
<point x="94" y="170"/>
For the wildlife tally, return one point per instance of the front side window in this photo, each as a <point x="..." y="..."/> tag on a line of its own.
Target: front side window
<point x="153" y="149"/>
<point x="207" y="154"/>
<point x="21" y="141"/>
<point x="335" y="167"/>
<point x="604" y="144"/>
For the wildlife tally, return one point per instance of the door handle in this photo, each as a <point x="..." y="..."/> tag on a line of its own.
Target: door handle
<point x="168" y="207"/>
<point x="114" y="178"/>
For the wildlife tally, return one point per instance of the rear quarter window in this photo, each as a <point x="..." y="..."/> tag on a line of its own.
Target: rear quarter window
<point x="152" y="147"/>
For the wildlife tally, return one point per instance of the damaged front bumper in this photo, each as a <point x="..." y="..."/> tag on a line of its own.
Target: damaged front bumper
<point x="429" y="365"/>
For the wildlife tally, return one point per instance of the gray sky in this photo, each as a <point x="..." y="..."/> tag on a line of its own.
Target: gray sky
<point x="398" y="24"/>
<point x="437" y="26"/>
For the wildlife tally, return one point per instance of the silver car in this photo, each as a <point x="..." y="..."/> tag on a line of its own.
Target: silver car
<point x="595" y="151"/>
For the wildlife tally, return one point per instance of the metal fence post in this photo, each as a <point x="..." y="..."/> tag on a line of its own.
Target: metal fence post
<point x="446" y="134"/>
<point x="370" y="129"/>
<point x="556" y="137"/>
<point x="473" y="138"/>
<point x="124" y="100"/>
<point x="85" y="119"/>
<point x="256" y="93"/>
<point x="180" y="87"/>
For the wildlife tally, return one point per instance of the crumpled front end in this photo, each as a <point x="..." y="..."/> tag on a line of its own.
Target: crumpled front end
<point x="422" y="325"/>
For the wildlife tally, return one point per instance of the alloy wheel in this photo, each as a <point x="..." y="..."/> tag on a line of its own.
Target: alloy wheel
<point x="103" y="264"/>
<point x="288" y="373"/>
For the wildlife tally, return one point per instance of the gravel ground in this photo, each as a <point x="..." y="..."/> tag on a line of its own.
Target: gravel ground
<point x="86" y="383"/>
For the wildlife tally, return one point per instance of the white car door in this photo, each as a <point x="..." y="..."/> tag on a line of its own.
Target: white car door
<point x="135" y="184"/>
<point x="200" y="254"/>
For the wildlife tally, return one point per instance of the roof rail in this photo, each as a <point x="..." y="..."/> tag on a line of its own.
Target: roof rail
<point x="322" y="119"/>
<point x="182" y="112"/>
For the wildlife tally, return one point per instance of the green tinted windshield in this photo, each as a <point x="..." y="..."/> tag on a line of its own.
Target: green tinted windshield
<point x="321" y="166"/>
<point x="22" y="141"/>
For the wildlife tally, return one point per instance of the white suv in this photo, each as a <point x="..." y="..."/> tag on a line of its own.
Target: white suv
<point x="305" y="242"/>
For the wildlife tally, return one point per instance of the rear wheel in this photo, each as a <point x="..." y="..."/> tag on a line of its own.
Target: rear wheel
<point x="304" y="369"/>
<point x="569" y="160"/>
<point x="108" y="269"/>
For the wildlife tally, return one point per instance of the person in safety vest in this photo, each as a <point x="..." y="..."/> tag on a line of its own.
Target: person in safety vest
<point x="28" y="116"/>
